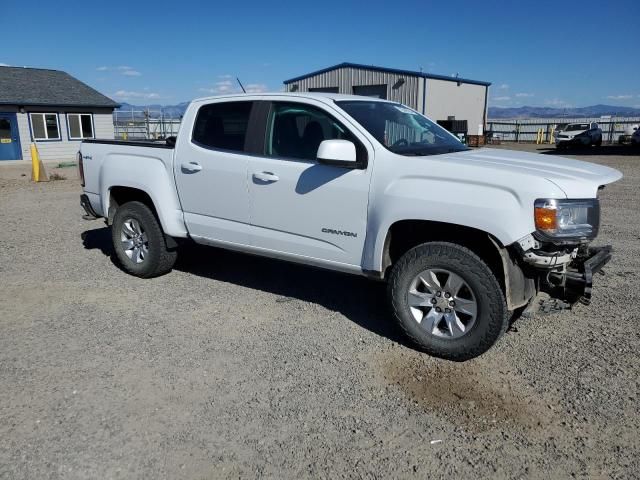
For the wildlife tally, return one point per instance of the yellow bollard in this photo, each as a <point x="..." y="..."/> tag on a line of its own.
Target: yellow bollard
<point x="38" y="173"/>
<point x="551" y="139"/>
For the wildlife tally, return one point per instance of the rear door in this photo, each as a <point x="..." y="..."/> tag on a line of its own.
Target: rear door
<point x="302" y="208"/>
<point x="211" y="172"/>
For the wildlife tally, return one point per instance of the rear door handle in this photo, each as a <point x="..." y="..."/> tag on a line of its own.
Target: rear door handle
<point x="268" y="177"/>
<point x="191" y="167"/>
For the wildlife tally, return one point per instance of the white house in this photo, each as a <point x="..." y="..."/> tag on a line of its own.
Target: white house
<point x="51" y="109"/>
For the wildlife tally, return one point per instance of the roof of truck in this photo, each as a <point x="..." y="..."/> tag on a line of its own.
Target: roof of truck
<point x="313" y="95"/>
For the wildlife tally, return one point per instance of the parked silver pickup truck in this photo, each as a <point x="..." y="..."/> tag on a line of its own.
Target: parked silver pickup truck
<point x="463" y="237"/>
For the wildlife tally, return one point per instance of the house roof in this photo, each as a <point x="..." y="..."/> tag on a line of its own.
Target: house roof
<point x="388" y="70"/>
<point x="37" y="86"/>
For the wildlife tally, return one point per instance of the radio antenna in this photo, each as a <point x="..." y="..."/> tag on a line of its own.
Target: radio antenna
<point x="240" y="83"/>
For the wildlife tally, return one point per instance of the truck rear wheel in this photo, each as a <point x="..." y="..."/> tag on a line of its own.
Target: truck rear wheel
<point x="447" y="301"/>
<point x="139" y="242"/>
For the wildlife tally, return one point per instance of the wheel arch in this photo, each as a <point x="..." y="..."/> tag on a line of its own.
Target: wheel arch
<point x="404" y="235"/>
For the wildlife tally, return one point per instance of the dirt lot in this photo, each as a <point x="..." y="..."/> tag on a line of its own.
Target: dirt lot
<point x="241" y="367"/>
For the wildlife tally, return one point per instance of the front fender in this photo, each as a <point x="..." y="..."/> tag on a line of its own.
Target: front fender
<point x="150" y="175"/>
<point x="501" y="211"/>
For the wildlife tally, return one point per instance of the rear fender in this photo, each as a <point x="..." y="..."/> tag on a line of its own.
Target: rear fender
<point x="149" y="175"/>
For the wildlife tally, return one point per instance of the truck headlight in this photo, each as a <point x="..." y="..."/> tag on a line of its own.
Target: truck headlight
<point x="564" y="219"/>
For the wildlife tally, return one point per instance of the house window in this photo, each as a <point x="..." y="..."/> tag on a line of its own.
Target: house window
<point x="80" y="125"/>
<point x="45" y="126"/>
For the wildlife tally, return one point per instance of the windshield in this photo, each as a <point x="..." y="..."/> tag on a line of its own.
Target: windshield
<point x="400" y="129"/>
<point x="572" y="127"/>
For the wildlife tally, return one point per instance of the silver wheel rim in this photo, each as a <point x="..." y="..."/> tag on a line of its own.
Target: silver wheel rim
<point x="442" y="303"/>
<point x="134" y="240"/>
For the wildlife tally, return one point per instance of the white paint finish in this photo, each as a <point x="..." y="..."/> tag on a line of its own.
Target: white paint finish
<point x="215" y="197"/>
<point x="465" y="102"/>
<point x="487" y="189"/>
<point x="340" y="150"/>
<point x="304" y="211"/>
<point x="144" y="168"/>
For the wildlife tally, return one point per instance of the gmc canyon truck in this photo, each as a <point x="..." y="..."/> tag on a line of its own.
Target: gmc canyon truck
<point x="464" y="238"/>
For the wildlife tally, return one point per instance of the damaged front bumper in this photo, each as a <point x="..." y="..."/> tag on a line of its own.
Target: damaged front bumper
<point x="562" y="272"/>
<point x="575" y="282"/>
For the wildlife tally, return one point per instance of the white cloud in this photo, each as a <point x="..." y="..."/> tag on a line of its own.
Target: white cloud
<point x="123" y="69"/>
<point x="128" y="94"/>
<point x="619" y="97"/>
<point x="504" y="86"/>
<point x="4" y="64"/>
<point x="556" y="102"/>
<point x="524" y="95"/>
<point x="256" y="88"/>
<point x="227" y="84"/>
<point x="502" y="99"/>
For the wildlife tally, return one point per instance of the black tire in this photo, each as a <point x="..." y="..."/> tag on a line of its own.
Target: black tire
<point x="492" y="318"/>
<point x="158" y="259"/>
<point x="598" y="142"/>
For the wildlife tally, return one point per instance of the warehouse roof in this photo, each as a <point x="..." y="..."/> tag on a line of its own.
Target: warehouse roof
<point x="388" y="70"/>
<point x="37" y="86"/>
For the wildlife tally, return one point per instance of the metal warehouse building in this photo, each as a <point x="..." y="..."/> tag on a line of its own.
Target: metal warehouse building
<point x="437" y="96"/>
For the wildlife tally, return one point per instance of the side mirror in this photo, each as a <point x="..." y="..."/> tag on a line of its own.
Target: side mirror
<point x="339" y="153"/>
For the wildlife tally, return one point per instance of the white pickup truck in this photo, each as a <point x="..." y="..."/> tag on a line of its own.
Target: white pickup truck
<point x="464" y="238"/>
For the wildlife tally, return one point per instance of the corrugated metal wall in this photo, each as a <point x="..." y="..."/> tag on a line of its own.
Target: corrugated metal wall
<point x="408" y="93"/>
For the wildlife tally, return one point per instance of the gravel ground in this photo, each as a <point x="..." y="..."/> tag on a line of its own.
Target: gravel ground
<point x="241" y="367"/>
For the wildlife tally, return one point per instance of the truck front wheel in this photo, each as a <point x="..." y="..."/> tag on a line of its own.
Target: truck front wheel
<point x="447" y="301"/>
<point x="139" y="242"/>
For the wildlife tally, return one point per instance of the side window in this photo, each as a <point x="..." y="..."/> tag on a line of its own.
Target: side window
<point x="45" y="126"/>
<point x="222" y="125"/>
<point x="80" y="125"/>
<point x="295" y="130"/>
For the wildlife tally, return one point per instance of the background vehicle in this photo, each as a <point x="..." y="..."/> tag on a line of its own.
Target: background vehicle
<point x="574" y="134"/>
<point x="627" y="136"/>
<point x="635" y="138"/>
<point x="370" y="187"/>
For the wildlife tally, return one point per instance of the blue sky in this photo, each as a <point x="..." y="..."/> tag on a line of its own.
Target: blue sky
<point x="560" y="53"/>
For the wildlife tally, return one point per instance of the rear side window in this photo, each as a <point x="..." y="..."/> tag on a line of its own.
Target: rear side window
<point x="222" y="125"/>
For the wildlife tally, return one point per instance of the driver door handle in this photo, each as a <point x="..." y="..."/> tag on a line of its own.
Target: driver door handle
<point x="266" y="177"/>
<point x="191" y="167"/>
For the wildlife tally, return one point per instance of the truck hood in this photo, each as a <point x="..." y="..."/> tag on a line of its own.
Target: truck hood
<point x="570" y="133"/>
<point x="577" y="179"/>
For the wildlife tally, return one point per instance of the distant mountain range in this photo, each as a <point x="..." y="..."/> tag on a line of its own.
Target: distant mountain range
<point x="176" y="111"/>
<point x="550" y="112"/>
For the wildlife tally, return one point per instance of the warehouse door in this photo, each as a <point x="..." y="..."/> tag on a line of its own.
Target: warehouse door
<point x="9" y="140"/>
<point x="375" y="91"/>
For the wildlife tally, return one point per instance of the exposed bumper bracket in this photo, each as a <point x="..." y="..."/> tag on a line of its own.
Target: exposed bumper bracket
<point x="577" y="281"/>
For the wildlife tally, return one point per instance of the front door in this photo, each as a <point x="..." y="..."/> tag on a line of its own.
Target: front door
<point x="211" y="173"/>
<point x="299" y="207"/>
<point x="9" y="139"/>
